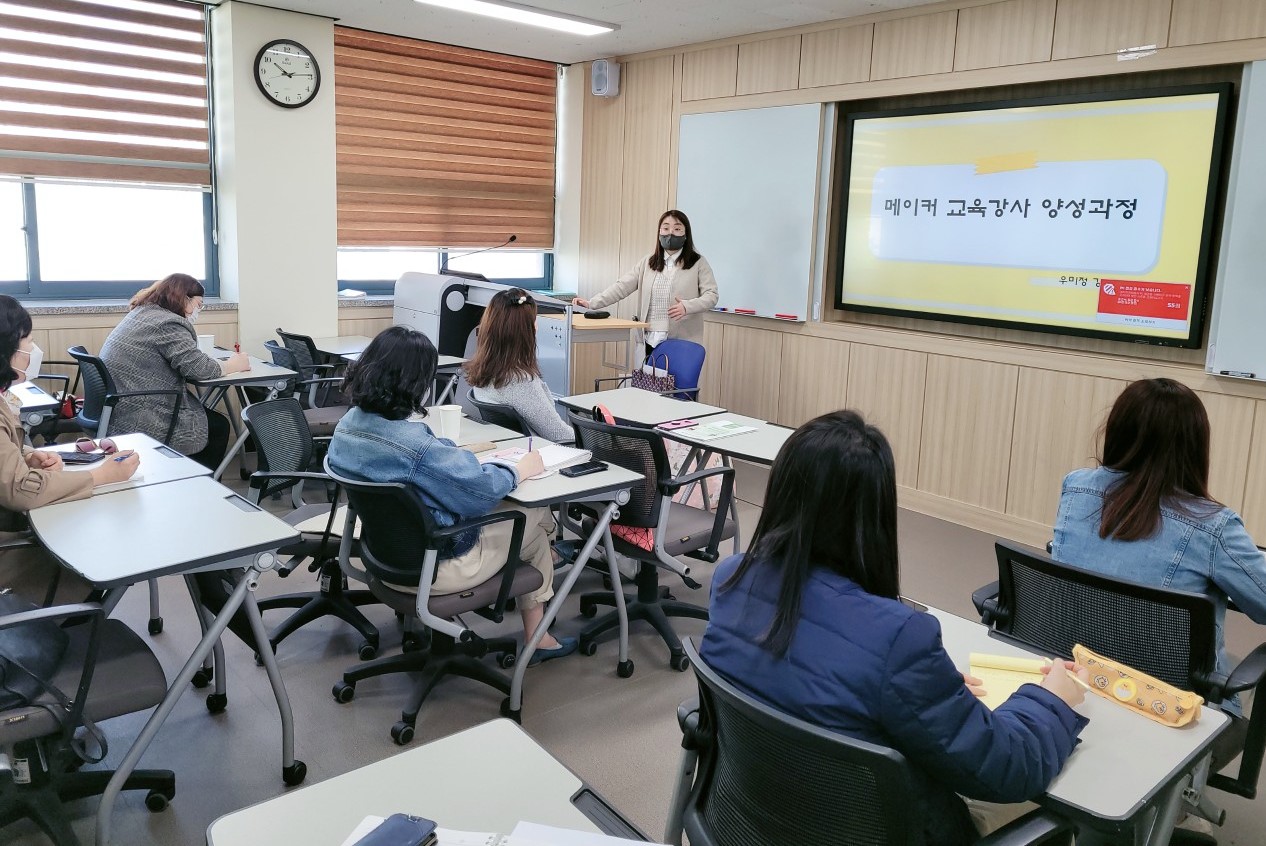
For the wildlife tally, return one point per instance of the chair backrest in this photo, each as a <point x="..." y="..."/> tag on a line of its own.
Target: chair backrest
<point x="769" y="779"/>
<point x="1050" y="607"/>
<point x="283" y="357"/>
<point x="282" y="438"/>
<point x="96" y="382"/>
<point x="500" y="414"/>
<point x="633" y="448"/>
<point x="685" y="363"/>
<point x="303" y="349"/>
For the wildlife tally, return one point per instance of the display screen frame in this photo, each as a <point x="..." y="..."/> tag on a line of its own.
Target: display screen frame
<point x="1201" y="287"/>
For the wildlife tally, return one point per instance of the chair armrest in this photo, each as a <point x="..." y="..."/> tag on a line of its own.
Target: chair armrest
<point x="53" y="612"/>
<point x="23" y="542"/>
<point x="1248" y="673"/>
<point x="54" y="377"/>
<point x="320" y="380"/>
<point x="1033" y="829"/>
<point x="985" y="600"/>
<point x="263" y="475"/>
<point x="617" y="379"/>
<point x="113" y="399"/>
<point x="519" y="520"/>
<point x="688" y="719"/>
<point x="670" y="488"/>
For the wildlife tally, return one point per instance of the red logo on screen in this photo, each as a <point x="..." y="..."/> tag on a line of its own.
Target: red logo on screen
<point x="1167" y="300"/>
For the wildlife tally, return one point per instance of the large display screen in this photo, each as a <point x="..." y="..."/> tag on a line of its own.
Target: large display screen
<point x="1089" y="217"/>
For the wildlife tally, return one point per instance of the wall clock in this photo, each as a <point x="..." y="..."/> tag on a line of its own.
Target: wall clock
<point x="287" y="73"/>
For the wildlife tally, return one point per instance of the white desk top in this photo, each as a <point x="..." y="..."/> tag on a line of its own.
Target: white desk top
<point x="261" y="373"/>
<point x="760" y="447"/>
<point x="556" y="487"/>
<point x="156" y="530"/>
<point x="342" y="345"/>
<point x="472" y="431"/>
<point x="445" y="362"/>
<point x="33" y="397"/>
<point x="641" y="407"/>
<point x="159" y="463"/>
<point x="453" y="781"/>
<point x="1124" y="758"/>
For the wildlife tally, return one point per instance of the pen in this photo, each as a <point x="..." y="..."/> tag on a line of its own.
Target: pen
<point x="1243" y="374"/>
<point x="529" y="443"/>
<point x="237" y="348"/>
<point x="122" y="457"/>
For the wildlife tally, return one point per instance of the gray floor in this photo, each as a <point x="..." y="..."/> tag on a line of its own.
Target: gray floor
<point x="618" y="734"/>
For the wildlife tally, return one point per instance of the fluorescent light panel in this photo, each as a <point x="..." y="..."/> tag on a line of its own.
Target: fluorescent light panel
<point x="525" y="15"/>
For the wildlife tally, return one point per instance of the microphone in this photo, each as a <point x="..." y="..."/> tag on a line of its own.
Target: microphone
<point x="510" y="240"/>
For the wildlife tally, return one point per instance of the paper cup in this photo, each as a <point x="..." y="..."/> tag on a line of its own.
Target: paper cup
<point x="206" y="343"/>
<point x="448" y="421"/>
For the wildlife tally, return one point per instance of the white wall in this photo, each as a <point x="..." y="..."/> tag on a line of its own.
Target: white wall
<point x="275" y="170"/>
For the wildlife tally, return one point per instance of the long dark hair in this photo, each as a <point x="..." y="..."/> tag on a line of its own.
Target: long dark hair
<point x="393" y="374"/>
<point x="507" y="341"/>
<point x="1157" y="434"/>
<point x="172" y="292"/>
<point x="689" y="256"/>
<point x="831" y="502"/>
<point x="15" y="324"/>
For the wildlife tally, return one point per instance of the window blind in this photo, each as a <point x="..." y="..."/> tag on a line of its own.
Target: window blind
<point x="441" y="146"/>
<point x="104" y="90"/>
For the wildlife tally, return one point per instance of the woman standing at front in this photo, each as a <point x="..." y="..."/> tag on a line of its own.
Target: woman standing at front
<point x="674" y="285"/>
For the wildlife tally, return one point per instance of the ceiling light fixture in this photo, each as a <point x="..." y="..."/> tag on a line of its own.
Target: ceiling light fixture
<point x="526" y="15"/>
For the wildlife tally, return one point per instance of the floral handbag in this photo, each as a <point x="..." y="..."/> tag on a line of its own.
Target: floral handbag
<point x="652" y="377"/>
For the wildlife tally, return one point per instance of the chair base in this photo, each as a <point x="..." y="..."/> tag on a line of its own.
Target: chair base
<point x="333" y="600"/>
<point x="652" y="604"/>
<point x="41" y="800"/>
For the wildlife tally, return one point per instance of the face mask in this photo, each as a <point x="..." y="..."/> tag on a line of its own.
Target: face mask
<point x="193" y="318"/>
<point x="672" y="242"/>
<point x="32" y="369"/>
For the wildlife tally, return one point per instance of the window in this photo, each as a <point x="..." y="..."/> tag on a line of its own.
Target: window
<point x="104" y="136"/>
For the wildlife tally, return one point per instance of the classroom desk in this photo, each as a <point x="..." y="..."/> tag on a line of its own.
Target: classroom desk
<point x="37" y="404"/>
<point x="614" y="330"/>
<point x="342" y="345"/>
<point x="175" y="527"/>
<point x="449" y="780"/>
<point x="611" y="486"/>
<point x="472" y="431"/>
<point x="641" y="408"/>
<point x="1128" y="772"/>
<point x="215" y="392"/>
<point x="159" y="463"/>
<point x="449" y="364"/>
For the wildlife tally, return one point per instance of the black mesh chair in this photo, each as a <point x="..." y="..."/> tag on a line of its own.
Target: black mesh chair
<point x="679" y="530"/>
<point x="309" y="365"/>
<point x="321" y="419"/>
<point x="1049" y="607"/>
<point x="285" y="448"/>
<point x="400" y="545"/>
<point x="100" y="399"/>
<point x="107" y="671"/>
<point x="500" y="414"/>
<point x="754" y="776"/>
<point x="51" y="429"/>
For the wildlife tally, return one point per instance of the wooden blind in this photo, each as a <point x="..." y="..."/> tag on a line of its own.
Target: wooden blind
<point x="441" y="146"/>
<point x="91" y="91"/>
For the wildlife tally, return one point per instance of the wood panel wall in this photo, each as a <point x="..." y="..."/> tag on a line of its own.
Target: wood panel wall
<point x="984" y="423"/>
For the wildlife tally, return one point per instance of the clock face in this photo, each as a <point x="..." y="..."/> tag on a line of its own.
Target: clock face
<point x="287" y="73"/>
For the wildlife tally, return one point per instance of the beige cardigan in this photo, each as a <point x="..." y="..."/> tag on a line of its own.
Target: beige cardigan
<point x="696" y="286"/>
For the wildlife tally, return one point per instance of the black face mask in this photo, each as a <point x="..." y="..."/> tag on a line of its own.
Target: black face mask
<point x="672" y="242"/>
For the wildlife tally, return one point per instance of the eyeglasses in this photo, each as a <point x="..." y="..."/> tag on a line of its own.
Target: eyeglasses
<point x="106" y="445"/>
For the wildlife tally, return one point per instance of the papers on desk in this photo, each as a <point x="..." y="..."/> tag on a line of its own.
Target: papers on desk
<point x="553" y="456"/>
<point x="118" y="486"/>
<point x="524" y="834"/>
<point x="1002" y="675"/>
<point x="714" y="429"/>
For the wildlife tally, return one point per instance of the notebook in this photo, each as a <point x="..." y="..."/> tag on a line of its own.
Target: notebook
<point x="553" y="455"/>
<point x="524" y="834"/>
<point x="1002" y="675"/>
<point x="714" y="429"/>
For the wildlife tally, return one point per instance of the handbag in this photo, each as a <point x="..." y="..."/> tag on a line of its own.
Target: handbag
<point x="643" y="538"/>
<point x="651" y="377"/>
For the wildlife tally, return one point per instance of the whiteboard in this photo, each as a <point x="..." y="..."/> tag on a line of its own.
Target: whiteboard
<point x="748" y="182"/>
<point x="1237" y="344"/>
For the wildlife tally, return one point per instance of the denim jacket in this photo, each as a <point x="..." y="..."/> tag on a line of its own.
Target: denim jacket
<point x="451" y="481"/>
<point x="1205" y="551"/>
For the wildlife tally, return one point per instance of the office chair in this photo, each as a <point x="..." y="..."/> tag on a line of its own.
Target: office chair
<point x="754" y="776"/>
<point x="683" y="360"/>
<point x="309" y="366"/>
<point x="285" y="448"/>
<point x="53" y="428"/>
<point x="1049" y="607"/>
<point x="321" y="419"/>
<point x="399" y="545"/>
<point x="679" y="529"/>
<point x="100" y="399"/>
<point x="500" y="414"/>
<point x="110" y="672"/>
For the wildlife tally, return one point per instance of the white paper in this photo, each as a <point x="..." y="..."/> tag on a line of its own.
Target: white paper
<point x="718" y="429"/>
<point x="535" y="834"/>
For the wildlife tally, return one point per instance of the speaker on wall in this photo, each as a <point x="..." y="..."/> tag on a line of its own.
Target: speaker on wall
<point x="604" y="78"/>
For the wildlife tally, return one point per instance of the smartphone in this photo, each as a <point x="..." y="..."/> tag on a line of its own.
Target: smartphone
<point x="583" y="469"/>
<point x="81" y="457"/>
<point x="677" y="424"/>
<point x="401" y="830"/>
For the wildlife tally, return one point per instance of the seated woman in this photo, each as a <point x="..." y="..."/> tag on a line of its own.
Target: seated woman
<point x="376" y="442"/>
<point x="155" y="347"/>
<point x="504" y="368"/>
<point x="809" y="622"/>
<point x="1145" y="514"/>
<point x="31" y="478"/>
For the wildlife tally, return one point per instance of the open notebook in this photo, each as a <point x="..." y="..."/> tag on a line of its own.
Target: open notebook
<point x="524" y="834"/>
<point x="553" y="455"/>
<point x="1002" y="675"/>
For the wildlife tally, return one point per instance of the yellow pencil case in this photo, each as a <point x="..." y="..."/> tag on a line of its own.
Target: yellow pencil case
<point x="1137" y="691"/>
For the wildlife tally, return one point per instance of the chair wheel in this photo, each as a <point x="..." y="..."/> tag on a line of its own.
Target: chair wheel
<point x="344" y="692"/>
<point x="367" y="651"/>
<point x="402" y="733"/>
<point x="506" y="712"/>
<point x="158" y="800"/>
<point x="506" y="660"/>
<point x="587" y="647"/>
<point x="624" y="669"/>
<point x="588" y="608"/>
<point x="410" y="643"/>
<point x="203" y="677"/>
<point x="294" y="774"/>
<point x="217" y="702"/>
<point x="680" y="663"/>
<point x="155" y="627"/>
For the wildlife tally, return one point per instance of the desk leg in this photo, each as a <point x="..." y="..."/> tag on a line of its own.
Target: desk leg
<point x="513" y="707"/>
<point x="1166" y="816"/>
<point x="292" y="771"/>
<point x="449" y="389"/>
<point x="734" y="515"/>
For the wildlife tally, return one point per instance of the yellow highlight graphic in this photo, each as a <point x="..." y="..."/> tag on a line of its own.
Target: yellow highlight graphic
<point x="1009" y="161"/>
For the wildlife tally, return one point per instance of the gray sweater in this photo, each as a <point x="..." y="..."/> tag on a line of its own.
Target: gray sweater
<point x="154" y="349"/>
<point x="535" y="404"/>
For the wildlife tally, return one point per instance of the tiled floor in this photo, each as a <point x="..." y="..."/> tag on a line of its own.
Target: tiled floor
<point x="619" y="734"/>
